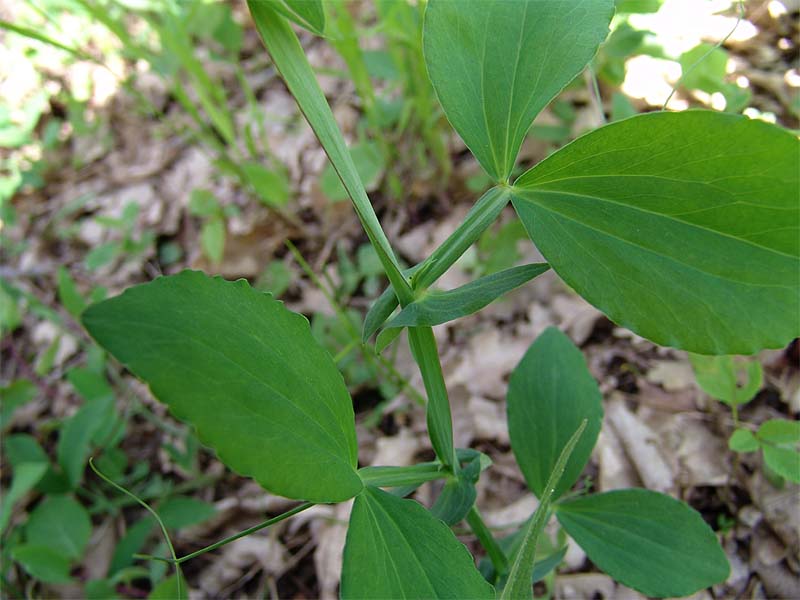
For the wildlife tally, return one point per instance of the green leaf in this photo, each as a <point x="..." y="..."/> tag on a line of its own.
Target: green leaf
<point x="718" y="376"/>
<point x="212" y="239"/>
<point x="743" y="440"/>
<point x="100" y="589"/>
<point x="779" y="431"/>
<point x="309" y="14"/>
<point x="550" y="392"/>
<point x="457" y="497"/>
<point x="43" y="563"/>
<point x="704" y="67"/>
<point x="14" y="395"/>
<point x="75" y="441"/>
<point x="26" y="475"/>
<point x="369" y="163"/>
<point x="436" y="307"/>
<point x="271" y="186"/>
<point x="519" y="579"/>
<point x="60" y="523"/>
<point x="405" y="552"/>
<point x="170" y="589"/>
<point x="131" y="543"/>
<point x="203" y="203"/>
<point x="495" y="65"/>
<point x="184" y="511"/>
<point x="646" y="540"/>
<point x="680" y="226"/>
<point x="246" y="373"/>
<point x="784" y="461"/>
<point x="68" y="293"/>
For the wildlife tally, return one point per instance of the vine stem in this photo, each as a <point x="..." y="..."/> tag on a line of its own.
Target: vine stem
<point x="289" y="513"/>
<point x="719" y="44"/>
<point x="149" y="509"/>
<point x="486" y="539"/>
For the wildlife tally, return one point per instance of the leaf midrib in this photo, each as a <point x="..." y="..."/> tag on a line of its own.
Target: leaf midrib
<point x="622" y="205"/>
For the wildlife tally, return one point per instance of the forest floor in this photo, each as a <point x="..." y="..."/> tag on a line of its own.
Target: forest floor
<point x="660" y="431"/>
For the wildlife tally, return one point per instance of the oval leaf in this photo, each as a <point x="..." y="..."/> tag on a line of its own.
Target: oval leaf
<point x="680" y="226"/>
<point x="646" y="540"/>
<point x="549" y="394"/>
<point x="435" y="307"/>
<point x="495" y="65"/>
<point x="243" y="370"/>
<point x="405" y="552"/>
<point x="60" y="523"/>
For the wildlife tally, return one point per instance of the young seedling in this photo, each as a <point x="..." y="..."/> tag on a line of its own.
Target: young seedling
<point x="681" y="227"/>
<point x="778" y="439"/>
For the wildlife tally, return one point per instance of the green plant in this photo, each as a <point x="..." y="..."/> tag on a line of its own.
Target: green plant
<point x="736" y="383"/>
<point x="679" y="226"/>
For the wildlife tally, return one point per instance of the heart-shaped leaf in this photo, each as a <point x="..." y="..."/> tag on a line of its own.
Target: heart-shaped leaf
<point x="495" y="65"/>
<point x="397" y="549"/>
<point x="680" y="226"/>
<point x="646" y="540"/>
<point x="243" y="370"/>
<point x="550" y="392"/>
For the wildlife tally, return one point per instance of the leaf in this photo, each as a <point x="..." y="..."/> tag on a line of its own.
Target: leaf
<point x="369" y="163"/>
<point x="435" y="308"/>
<point x="203" y="203"/>
<point x="717" y="376"/>
<point x="646" y="540"/>
<point x="26" y="475"/>
<point x="75" y="441"/>
<point x="495" y="65"/>
<point x="309" y="14"/>
<point x="680" y="226"/>
<point x="406" y="553"/>
<point x="43" y="563"/>
<point x="271" y="186"/>
<point x="704" y="67"/>
<point x="60" y="523"/>
<point x="129" y="544"/>
<point x="743" y="440"/>
<point x="521" y="575"/>
<point x="550" y="392"/>
<point x="784" y="461"/>
<point x="68" y="293"/>
<point x="457" y="497"/>
<point x="780" y="431"/>
<point x="184" y="511"/>
<point x="246" y="373"/>
<point x="170" y="588"/>
<point x="15" y="394"/>
<point x="212" y="239"/>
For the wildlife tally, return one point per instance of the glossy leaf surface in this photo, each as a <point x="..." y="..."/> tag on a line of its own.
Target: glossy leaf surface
<point x="646" y="540"/>
<point x="246" y="373"/>
<point x="680" y="226"/>
<point x="495" y="65"/>
<point x="550" y="392"/>
<point x="437" y="307"/>
<point x="397" y="549"/>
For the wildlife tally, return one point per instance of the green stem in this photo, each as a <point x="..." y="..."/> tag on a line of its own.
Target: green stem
<point x="486" y="539"/>
<point x="439" y="418"/>
<point x="292" y="65"/>
<point x="155" y="516"/>
<point x="289" y="513"/>
<point x="519" y="580"/>
<point x="402" y="476"/>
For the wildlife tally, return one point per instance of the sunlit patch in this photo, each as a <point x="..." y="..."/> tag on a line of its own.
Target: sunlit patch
<point x="776" y="9"/>
<point x="754" y="113"/>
